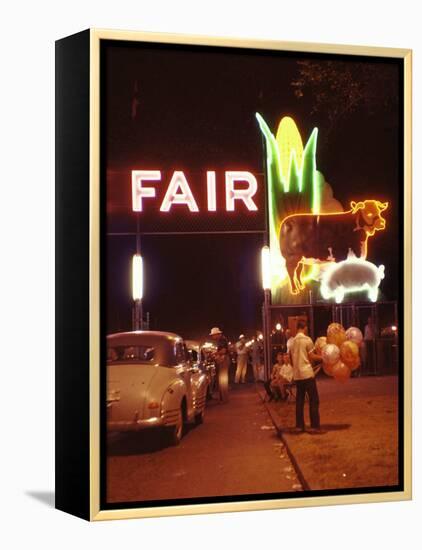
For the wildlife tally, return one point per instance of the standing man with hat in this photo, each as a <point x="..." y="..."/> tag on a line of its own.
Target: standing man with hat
<point x="302" y="352"/>
<point x="222" y="361"/>
<point x="242" y="360"/>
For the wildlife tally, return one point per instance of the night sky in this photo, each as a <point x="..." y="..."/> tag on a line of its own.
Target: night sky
<point x="195" y="111"/>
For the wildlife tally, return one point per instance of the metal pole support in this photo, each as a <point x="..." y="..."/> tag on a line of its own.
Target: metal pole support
<point x="137" y="316"/>
<point x="267" y="333"/>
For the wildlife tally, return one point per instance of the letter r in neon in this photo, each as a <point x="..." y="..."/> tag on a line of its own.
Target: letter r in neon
<point x="245" y="195"/>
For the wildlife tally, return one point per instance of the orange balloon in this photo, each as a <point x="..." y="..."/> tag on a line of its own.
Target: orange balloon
<point x="341" y="372"/>
<point x="320" y="343"/>
<point x="336" y="334"/>
<point x="354" y="366"/>
<point x="349" y="353"/>
<point x="328" y="369"/>
<point x="334" y="326"/>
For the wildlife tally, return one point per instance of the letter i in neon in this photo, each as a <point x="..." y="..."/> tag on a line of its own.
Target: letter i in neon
<point x="211" y="192"/>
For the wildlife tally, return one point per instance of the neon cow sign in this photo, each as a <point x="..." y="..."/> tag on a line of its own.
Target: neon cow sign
<point x="179" y="191"/>
<point x="309" y="238"/>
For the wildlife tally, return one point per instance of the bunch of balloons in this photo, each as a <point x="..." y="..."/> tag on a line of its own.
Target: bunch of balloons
<point x="340" y="351"/>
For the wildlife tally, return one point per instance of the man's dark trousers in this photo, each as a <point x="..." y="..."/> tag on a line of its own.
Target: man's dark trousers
<point x="309" y="387"/>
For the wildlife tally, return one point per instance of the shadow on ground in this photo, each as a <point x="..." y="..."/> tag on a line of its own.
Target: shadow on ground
<point x="45" y="497"/>
<point x="335" y="427"/>
<point x="142" y="442"/>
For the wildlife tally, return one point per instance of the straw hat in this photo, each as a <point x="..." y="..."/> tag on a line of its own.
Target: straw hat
<point x="215" y="330"/>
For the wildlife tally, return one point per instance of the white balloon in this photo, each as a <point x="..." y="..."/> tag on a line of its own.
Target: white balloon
<point x="355" y="335"/>
<point x="330" y="354"/>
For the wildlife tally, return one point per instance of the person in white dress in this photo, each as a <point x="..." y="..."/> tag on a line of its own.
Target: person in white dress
<point x="242" y="360"/>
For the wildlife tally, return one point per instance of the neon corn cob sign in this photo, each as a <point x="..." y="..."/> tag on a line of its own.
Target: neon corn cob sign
<point x="291" y="175"/>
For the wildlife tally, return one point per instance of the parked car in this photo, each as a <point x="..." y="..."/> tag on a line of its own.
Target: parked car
<point x="151" y="382"/>
<point x="202" y="357"/>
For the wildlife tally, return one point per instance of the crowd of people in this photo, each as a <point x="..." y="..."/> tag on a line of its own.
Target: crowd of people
<point x="297" y="364"/>
<point x="243" y="353"/>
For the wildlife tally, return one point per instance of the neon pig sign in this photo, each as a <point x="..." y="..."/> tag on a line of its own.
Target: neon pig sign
<point x="179" y="191"/>
<point x="351" y="275"/>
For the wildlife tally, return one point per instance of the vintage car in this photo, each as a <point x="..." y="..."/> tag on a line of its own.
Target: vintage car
<point x="151" y="382"/>
<point x="201" y="355"/>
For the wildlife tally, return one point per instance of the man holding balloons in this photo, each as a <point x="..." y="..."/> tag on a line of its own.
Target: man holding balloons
<point x="339" y="353"/>
<point x="303" y="352"/>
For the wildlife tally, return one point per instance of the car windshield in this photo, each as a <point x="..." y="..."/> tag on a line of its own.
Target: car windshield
<point x="144" y="354"/>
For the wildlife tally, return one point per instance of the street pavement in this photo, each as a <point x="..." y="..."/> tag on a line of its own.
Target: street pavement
<point x="235" y="452"/>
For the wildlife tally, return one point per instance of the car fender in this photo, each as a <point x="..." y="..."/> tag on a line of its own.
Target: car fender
<point x="203" y="382"/>
<point x="171" y="401"/>
<point x="200" y="385"/>
<point x="156" y="389"/>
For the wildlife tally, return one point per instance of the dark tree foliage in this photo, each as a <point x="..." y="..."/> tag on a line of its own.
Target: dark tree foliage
<point x="336" y="89"/>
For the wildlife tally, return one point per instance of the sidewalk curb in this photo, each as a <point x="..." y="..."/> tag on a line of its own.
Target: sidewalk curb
<point x="276" y="421"/>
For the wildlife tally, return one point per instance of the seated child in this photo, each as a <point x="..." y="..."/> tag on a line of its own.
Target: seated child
<point x="285" y="375"/>
<point x="281" y="374"/>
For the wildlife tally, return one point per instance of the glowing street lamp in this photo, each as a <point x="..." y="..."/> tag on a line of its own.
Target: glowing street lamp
<point x="137" y="277"/>
<point x="137" y="291"/>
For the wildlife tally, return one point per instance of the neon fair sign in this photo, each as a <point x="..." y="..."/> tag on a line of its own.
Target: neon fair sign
<point x="306" y="237"/>
<point x="306" y="234"/>
<point x="240" y="187"/>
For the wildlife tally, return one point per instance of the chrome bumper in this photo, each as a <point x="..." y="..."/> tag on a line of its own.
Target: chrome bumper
<point x="168" y="418"/>
<point x="134" y="426"/>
